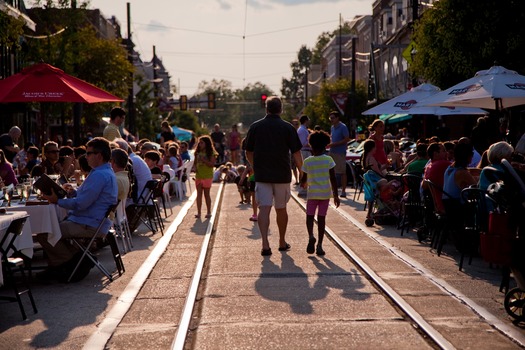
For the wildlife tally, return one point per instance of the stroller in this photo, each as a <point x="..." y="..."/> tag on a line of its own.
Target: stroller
<point x="504" y="243"/>
<point x="379" y="210"/>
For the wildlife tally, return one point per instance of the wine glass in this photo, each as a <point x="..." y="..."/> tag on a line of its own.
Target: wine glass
<point x="27" y="192"/>
<point x="7" y="195"/>
<point x="19" y="191"/>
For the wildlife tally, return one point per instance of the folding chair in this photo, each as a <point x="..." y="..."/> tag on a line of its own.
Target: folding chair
<point x="112" y="242"/>
<point x="10" y="263"/>
<point x="442" y="215"/>
<point x="146" y="208"/>
<point x="188" y="166"/>
<point x="163" y="191"/>
<point x="121" y="226"/>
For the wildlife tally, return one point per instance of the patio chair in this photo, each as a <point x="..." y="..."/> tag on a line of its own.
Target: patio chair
<point x="86" y="253"/>
<point x="165" y="195"/>
<point x="176" y="182"/>
<point x="11" y="263"/>
<point x="146" y="209"/>
<point x="121" y="227"/>
<point x="476" y="220"/>
<point x="412" y="207"/>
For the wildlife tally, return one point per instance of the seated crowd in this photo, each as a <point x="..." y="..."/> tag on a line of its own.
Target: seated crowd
<point x="445" y="169"/>
<point x="104" y="172"/>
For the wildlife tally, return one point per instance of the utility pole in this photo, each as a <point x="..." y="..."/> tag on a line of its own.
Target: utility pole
<point x="155" y="88"/>
<point x="77" y="107"/>
<point x="340" y="47"/>
<point x="131" y="97"/>
<point x="352" y="118"/>
<point x="306" y="87"/>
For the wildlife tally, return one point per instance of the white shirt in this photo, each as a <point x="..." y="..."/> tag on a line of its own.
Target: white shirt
<point x="303" y="133"/>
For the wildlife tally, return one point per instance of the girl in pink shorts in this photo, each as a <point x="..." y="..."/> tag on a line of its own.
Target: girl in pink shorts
<point x="319" y="178"/>
<point x="205" y="158"/>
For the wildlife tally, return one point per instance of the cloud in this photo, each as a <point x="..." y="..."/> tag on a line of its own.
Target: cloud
<point x="224" y="5"/>
<point x="262" y="3"/>
<point x="156" y="26"/>
<point x="267" y="4"/>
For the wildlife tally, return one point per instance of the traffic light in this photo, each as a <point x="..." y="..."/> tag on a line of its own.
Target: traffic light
<point x="211" y="100"/>
<point x="183" y="102"/>
<point x="263" y="100"/>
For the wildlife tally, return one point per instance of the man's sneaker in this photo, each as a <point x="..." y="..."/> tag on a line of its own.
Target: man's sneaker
<point x="343" y="194"/>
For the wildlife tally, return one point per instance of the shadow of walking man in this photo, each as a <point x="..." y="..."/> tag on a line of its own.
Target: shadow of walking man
<point x="288" y="283"/>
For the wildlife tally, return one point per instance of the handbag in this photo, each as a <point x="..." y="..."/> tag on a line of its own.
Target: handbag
<point x="496" y="243"/>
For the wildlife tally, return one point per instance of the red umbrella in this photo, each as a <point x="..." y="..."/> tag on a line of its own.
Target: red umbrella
<point x="42" y="82"/>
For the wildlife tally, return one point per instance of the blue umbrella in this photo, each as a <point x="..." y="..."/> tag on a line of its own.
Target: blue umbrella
<point x="182" y="134"/>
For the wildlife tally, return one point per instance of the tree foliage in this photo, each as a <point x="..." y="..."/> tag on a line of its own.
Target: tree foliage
<point x="146" y="117"/>
<point x="232" y="106"/>
<point x="322" y="104"/>
<point x="11" y="29"/>
<point x="293" y="88"/>
<point x="65" y="40"/>
<point x="457" y="38"/>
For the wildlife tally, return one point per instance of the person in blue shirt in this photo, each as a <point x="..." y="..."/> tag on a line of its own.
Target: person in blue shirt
<point x="340" y="137"/>
<point x="86" y="209"/>
<point x="184" y="151"/>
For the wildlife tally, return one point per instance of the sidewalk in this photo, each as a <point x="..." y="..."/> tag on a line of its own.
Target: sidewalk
<point x="69" y="313"/>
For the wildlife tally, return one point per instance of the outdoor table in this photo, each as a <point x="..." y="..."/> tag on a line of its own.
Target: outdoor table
<point x="43" y="219"/>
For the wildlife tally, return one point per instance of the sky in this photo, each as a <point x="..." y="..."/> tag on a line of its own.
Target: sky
<point x="239" y="41"/>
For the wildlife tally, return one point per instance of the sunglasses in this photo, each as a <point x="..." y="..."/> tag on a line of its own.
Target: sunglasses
<point x="53" y="151"/>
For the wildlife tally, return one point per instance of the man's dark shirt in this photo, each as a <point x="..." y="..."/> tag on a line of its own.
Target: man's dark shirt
<point x="272" y="140"/>
<point x="49" y="168"/>
<point x="168" y="136"/>
<point x="5" y="141"/>
<point x="218" y="140"/>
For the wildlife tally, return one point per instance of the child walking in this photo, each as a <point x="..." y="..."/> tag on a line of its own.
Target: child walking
<point x="248" y="180"/>
<point x="319" y="178"/>
<point x="205" y="159"/>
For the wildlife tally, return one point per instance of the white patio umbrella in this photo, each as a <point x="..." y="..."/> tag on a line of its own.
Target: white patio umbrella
<point x="495" y="88"/>
<point x="410" y="103"/>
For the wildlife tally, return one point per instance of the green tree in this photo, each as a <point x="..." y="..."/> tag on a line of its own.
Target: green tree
<point x="319" y="108"/>
<point x="293" y="89"/>
<point x="146" y="117"/>
<point x="70" y="43"/>
<point x="456" y="38"/>
<point x="232" y="106"/>
<point x="11" y="29"/>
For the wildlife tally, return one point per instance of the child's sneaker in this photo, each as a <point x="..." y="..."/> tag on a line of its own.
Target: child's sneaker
<point x="253" y="218"/>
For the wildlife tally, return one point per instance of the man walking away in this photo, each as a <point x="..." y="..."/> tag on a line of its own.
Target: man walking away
<point x="268" y="146"/>
<point x="340" y="137"/>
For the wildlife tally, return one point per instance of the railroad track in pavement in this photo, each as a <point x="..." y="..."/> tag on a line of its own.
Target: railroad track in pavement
<point x="234" y="298"/>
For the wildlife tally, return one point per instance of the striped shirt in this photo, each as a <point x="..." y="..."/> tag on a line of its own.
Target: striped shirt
<point x="318" y="170"/>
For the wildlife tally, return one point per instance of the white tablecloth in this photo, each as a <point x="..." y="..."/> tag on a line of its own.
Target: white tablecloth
<point x="44" y="219"/>
<point x="23" y="243"/>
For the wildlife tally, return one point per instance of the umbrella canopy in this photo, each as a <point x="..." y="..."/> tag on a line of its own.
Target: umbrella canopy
<point x="42" y="82"/>
<point x="410" y="103"/>
<point x="495" y="88"/>
<point x="394" y="118"/>
<point x="181" y="133"/>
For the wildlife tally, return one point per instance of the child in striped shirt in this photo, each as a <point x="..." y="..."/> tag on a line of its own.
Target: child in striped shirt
<point x="319" y="178"/>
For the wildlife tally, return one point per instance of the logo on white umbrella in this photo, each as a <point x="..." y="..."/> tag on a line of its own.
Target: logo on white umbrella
<point x="466" y="89"/>
<point x="405" y="105"/>
<point x="516" y="86"/>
